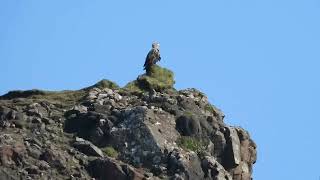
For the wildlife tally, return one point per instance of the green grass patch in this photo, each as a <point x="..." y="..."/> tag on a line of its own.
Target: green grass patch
<point x="164" y="76"/>
<point x="209" y="108"/>
<point x="104" y="84"/>
<point x="110" y="151"/>
<point x="188" y="114"/>
<point x="192" y="143"/>
<point x="159" y="79"/>
<point x="133" y="87"/>
<point x="215" y="111"/>
<point x="68" y="98"/>
<point x="65" y="98"/>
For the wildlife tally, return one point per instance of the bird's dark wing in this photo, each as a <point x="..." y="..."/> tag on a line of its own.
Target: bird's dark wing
<point x="151" y="57"/>
<point x="148" y="61"/>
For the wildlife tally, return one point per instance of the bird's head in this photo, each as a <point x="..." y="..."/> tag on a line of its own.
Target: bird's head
<point x="155" y="45"/>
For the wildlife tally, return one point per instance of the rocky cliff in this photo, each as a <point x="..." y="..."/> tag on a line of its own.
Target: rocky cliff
<point x="145" y="130"/>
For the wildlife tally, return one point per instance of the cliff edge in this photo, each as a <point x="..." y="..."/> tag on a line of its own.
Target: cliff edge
<point x="145" y="130"/>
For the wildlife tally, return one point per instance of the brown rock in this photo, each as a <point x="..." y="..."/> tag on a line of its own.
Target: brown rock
<point x="248" y="147"/>
<point x="54" y="158"/>
<point x="111" y="169"/>
<point x="11" y="155"/>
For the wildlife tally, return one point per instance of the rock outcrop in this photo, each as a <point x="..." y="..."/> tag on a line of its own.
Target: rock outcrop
<point x="146" y="130"/>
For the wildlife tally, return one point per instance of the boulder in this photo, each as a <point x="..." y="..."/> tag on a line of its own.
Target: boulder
<point x="87" y="148"/>
<point x="11" y="155"/>
<point x="214" y="170"/>
<point x="4" y="112"/>
<point x="188" y="125"/>
<point x="54" y="158"/>
<point x="107" y="168"/>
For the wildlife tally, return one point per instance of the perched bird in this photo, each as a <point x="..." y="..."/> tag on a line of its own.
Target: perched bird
<point x="153" y="57"/>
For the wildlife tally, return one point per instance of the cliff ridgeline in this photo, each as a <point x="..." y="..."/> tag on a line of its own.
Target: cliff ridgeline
<point x="145" y="130"/>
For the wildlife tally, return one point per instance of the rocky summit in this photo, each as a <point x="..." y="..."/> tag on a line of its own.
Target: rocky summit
<point x="145" y="130"/>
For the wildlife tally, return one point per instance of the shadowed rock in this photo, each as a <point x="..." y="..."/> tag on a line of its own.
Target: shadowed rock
<point x="87" y="148"/>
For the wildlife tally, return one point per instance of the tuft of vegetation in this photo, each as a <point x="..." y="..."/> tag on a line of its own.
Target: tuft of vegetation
<point x="188" y="113"/>
<point x="192" y="143"/>
<point x="163" y="75"/>
<point x="133" y="87"/>
<point x="209" y="108"/>
<point x="213" y="110"/>
<point x="110" y="152"/>
<point x="104" y="83"/>
<point x="23" y="94"/>
<point x="159" y="79"/>
<point x="202" y="95"/>
<point x="68" y="98"/>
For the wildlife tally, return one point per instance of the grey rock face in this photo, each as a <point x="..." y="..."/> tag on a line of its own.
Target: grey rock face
<point x="188" y="126"/>
<point x="233" y="148"/>
<point x="87" y="148"/>
<point x="116" y="133"/>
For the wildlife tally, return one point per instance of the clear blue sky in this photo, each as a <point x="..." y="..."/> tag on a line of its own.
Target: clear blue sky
<point x="258" y="61"/>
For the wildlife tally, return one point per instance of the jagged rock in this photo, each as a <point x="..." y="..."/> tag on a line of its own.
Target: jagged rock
<point x="87" y="148"/>
<point x="36" y="109"/>
<point x="80" y="109"/>
<point x="220" y="145"/>
<point x="233" y="151"/>
<point x="151" y="130"/>
<point x="54" y="158"/>
<point x="187" y="165"/>
<point x="43" y="165"/>
<point x="92" y="126"/>
<point x="147" y="136"/>
<point x="248" y="147"/>
<point x="248" y="156"/>
<point x="110" y="169"/>
<point x="188" y="126"/>
<point x="212" y="169"/>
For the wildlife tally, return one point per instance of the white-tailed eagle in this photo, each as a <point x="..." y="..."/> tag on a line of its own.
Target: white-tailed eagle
<point x="153" y="57"/>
